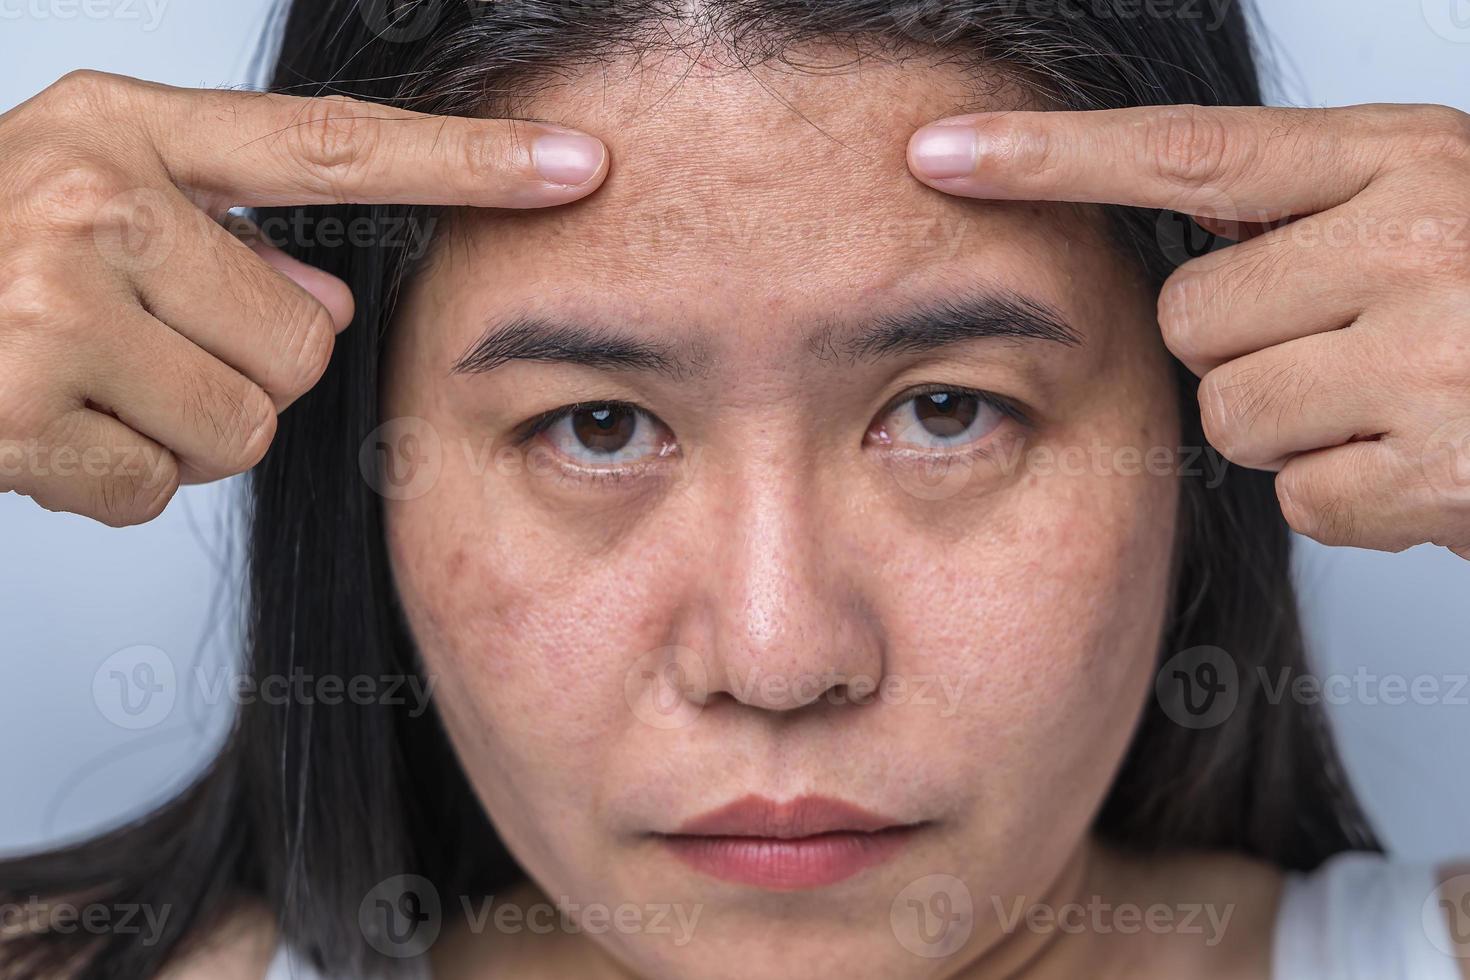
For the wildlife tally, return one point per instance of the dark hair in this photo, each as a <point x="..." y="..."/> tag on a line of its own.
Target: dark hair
<point x="307" y="808"/>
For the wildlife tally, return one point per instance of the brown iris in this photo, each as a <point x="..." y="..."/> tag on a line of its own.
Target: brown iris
<point x="604" y="428"/>
<point x="946" y="414"/>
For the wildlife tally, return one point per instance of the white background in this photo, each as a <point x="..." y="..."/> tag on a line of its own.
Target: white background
<point x="73" y="594"/>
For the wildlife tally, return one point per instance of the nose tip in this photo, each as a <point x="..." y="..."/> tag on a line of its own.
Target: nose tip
<point x="790" y="689"/>
<point x="791" y="623"/>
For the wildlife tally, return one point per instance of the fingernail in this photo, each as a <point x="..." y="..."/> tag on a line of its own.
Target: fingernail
<point x="940" y="152"/>
<point x="568" y="158"/>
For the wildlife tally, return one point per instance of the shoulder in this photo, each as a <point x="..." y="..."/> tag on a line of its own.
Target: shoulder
<point x="240" y="947"/>
<point x="1363" y="914"/>
<point x="1358" y="916"/>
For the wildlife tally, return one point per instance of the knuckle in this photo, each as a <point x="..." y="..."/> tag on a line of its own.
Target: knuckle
<point x="21" y="417"/>
<point x="1313" y="510"/>
<point x="298" y="331"/>
<point x="1442" y="131"/>
<point x="305" y="348"/>
<point x="1218" y="415"/>
<point x="138" y="496"/>
<point x="29" y="295"/>
<point x="334" y="142"/>
<point x="259" y="442"/>
<point x="1029" y="152"/>
<point x="1189" y="147"/>
<point x="251" y="282"/>
<point x="1291" y="496"/>
<point x="1443" y="358"/>
<point x="1032" y="152"/>
<point x="1436" y="259"/>
<point x="1241" y="406"/>
<point x="1181" y="307"/>
<point x="73" y="194"/>
<point x="246" y="426"/>
<point x="1213" y="416"/>
<point x="25" y="411"/>
<point x="1297" y="500"/>
<point x="485" y="159"/>
<point x="82" y="91"/>
<point x="1198" y="304"/>
<point x="233" y="411"/>
<point x="1259" y="268"/>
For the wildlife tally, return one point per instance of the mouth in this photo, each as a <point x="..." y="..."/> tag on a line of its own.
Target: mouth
<point x="808" y="842"/>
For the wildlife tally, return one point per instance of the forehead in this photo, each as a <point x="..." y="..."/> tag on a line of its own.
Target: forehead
<point x="732" y="190"/>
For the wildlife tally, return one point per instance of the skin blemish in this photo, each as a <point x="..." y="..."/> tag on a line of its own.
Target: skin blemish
<point x="781" y="544"/>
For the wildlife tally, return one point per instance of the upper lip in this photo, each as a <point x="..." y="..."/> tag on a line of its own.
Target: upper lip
<point x="804" y="816"/>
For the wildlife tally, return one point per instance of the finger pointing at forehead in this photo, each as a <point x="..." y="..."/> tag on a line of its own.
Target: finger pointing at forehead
<point x="1235" y="163"/>
<point x="264" y="149"/>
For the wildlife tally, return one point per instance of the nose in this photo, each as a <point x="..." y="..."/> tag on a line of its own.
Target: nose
<point x="789" y="617"/>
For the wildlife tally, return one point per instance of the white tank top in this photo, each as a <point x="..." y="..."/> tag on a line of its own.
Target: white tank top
<point x="1357" y="917"/>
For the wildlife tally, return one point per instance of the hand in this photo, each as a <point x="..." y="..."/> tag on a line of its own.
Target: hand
<point x="135" y="356"/>
<point x="1333" y="342"/>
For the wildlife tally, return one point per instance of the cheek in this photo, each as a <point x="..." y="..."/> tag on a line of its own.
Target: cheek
<point x="1050" y="616"/>
<point x="1078" y="586"/>
<point x="529" y="643"/>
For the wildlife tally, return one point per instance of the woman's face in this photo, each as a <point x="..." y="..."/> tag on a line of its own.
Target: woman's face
<point x="784" y="550"/>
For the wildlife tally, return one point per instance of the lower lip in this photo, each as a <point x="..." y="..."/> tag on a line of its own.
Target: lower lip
<point x="788" y="864"/>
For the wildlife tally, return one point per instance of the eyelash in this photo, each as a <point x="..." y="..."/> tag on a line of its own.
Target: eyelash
<point x="1000" y="403"/>
<point x="530" y="430"/>
<point x="608" y="475"/>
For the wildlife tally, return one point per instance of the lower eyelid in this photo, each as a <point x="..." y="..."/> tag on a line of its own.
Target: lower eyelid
<point x="572" y="469"/>
<point x="637" y="477"/>
<point x="545" y="428"/>
<point x="1003" y="414"/>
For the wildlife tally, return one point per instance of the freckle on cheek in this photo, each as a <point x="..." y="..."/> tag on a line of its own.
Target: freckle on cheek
<point x="454" y="566"/>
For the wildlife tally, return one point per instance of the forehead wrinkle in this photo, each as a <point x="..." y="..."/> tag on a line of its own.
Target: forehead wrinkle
<point x="721" y="197"/>
<point x="845" y="104"/>
<point x="717" y="161"/>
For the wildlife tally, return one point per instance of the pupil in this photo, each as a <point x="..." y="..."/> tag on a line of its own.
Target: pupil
<point x="605" y="429"/>
<point x="946" y="414"/>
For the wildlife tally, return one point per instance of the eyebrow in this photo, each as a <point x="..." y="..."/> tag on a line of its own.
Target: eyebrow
<point x="928" y="327"/>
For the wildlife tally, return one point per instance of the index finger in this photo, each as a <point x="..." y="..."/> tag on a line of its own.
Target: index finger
<point x="1235" y="163"/>
<point x="257" y="149"/>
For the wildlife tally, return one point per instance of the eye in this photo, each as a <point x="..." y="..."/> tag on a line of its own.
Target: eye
<point x="604" y="433"/>
<point x="941" y="418"/>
